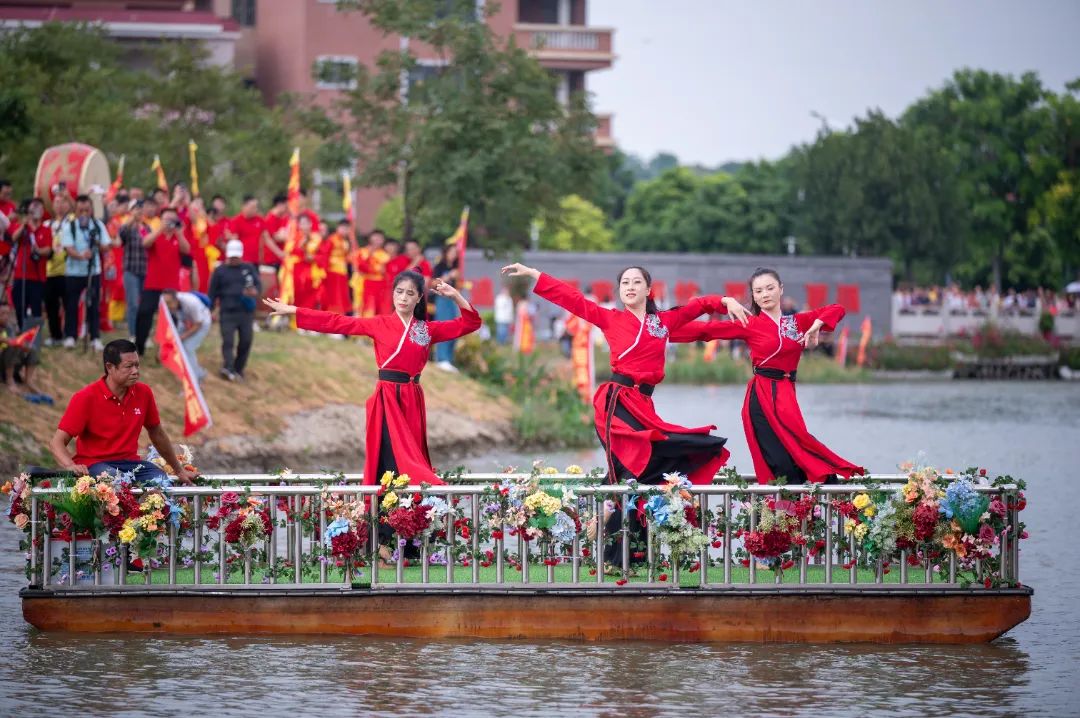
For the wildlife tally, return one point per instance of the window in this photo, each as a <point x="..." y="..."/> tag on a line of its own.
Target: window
<point x="538" y="12"/>
<point x="423" y="71"/>
<point x="243" y="11"/>
<point x="335" y="72"/>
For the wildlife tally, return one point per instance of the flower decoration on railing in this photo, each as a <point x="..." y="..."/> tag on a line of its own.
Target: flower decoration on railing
<point x="782" y="525"/>
<point x="183" y="454"/>
<point x="674" y="513"/>
<point x="143" y="532"/>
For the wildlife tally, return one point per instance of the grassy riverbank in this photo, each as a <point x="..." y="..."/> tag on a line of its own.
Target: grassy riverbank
<point x="282" y="410"/>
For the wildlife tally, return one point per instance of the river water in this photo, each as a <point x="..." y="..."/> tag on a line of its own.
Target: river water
<point x="1029" y="430"/>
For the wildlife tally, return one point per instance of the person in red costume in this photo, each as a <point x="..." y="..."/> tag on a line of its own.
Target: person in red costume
<point x="638" y="443"/>
<point x="396" y="417"/>
<point x="780" y="443"/>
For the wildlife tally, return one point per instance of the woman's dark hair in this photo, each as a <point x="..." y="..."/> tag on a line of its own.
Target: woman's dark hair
<point x="760" y="272"/>
<point x="420" y="311"/>
<point x="650" y="305"/>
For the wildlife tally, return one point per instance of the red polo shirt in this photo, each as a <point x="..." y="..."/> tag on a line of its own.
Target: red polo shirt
<point x="7" y="207"/>
<point x="249" y="230"/>
<point x="105" y="427"/>
<point x="25" y="266"/>
<point x="163" y="263"/>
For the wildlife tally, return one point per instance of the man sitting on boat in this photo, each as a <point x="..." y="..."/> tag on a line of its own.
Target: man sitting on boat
<point x="106" y="418"/>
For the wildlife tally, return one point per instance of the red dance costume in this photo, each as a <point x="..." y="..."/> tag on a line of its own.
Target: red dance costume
<point x="775" y="430"/>
<point x="639" y="444"/>
<point x="396" y="417"/>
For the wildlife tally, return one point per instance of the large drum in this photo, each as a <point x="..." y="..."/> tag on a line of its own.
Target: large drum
<point x="81" y="168"/>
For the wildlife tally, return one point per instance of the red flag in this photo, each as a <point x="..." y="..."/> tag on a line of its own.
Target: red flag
<point x="841" y="347"/>
<point x="524" y="337"/>
<point x="864" y="340"/>
<point x="581" y="356"/>
<point x="172" y="356"/>
<point x="26" y="339"/>
<point x="293" y="194"/>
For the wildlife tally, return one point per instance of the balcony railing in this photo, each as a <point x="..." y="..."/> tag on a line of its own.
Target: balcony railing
<point x="567" y="46"/>
<point x="502" y="531"/>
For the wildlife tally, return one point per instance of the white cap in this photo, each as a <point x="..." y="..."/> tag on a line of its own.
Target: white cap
<point x="235" y="248"/>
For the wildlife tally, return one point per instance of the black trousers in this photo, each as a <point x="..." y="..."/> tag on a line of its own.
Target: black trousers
<point x="233" y="325"/>
<point x="73" y="291"/>
<point x="26" y="296"/>
<point x="54" y="305"/>
<point x="144" y="319"/>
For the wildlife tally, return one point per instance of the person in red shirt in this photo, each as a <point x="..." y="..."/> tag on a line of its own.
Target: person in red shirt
<point x="250" y="228"/>
<point x="163" y="249"/>
<point x="331" y="258"/>
<point x="277" y="220"/>
<point x="307" y="275"/>
<point x="410" y="260"/>
<point x="396" y="418"/>
<point x="106" y="419"/>
<point x="7" y="205"/>
<point x="780" y="443"/>
<point x="32" y="242"/>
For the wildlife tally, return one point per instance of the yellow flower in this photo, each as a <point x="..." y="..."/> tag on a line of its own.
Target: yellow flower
<point x="389" y="500"/>
<point x="849" y="525"/>
<point x="84" y="485"/>
<point x="401" y="481"/>
<point x="861" y="501"/>
<point x="574" y="470"/>
<point x="860" y="531"/>
<point x="550" y="470"/>
<point x="869" y="511"/>
<point x="127" y="534"/>
<point x="387" y="477"/>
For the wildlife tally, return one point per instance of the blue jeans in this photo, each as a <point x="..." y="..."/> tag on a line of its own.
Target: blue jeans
<point x="145" y="473"/>
<point x="133" y="285"/>
<point x="445" y="309"/>
<point x="191" y="344"/>
<point x="502" y="333"/>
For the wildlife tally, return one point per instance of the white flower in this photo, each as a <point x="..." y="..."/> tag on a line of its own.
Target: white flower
<point x="287" y="474"/>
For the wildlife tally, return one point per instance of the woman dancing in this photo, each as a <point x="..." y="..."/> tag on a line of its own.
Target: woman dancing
<point x="638" y="443"/>
<point x="396" y="418"/>
<point x="775" y="430"/>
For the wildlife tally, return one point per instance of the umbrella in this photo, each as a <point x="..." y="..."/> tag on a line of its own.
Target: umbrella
<point x="1072" y="288"/>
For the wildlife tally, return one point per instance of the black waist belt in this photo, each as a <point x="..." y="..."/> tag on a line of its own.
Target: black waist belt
<point x="774" y="373"/>
<point x="398" y="377"/>
<point x="646" y="389"/>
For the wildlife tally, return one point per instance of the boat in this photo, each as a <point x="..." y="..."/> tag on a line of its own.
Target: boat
<point x="477" y="569"/>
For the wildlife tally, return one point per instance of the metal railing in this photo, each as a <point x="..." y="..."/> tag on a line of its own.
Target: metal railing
<point x="296" y="555"/>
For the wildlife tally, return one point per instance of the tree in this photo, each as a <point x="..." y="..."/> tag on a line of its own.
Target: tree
<point x="72" y="87"/>
<point x="391" y="217"/>
<point x="486" y="130"/>
<point x="579" y="226"/>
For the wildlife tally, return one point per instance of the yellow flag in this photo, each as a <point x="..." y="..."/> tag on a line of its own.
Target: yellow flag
<point x="346" y="195"/>
<point x="157" y="168"/>
<point x="192" y="149"/>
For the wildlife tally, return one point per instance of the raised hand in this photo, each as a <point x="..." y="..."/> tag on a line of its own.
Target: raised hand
<point x="812" y="336"/>
<point x="736" y="310"/>
<point x="278" y="307"/>
<point x="518" y="269"/>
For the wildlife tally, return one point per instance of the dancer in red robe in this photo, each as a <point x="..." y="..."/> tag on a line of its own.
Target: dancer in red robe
<point x="638" y="443"/>
<point x="775" y="430"/>
<point x="396" y="418"/>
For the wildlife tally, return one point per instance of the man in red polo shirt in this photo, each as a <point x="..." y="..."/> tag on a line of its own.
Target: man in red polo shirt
<point x="106" y="419"/>
<point x="250" y="228"/>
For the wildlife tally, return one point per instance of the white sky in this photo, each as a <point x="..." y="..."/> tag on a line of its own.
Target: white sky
<point x="719" y="80"/>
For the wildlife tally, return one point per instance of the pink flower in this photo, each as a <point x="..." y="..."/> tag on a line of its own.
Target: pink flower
<point x="21" y="520"/>
<point x="997" y="507"/>
<point x="986" y="534"/>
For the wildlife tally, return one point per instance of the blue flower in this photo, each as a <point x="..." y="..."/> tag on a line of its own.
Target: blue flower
<point x="660" y="509"/>
<point x="175" y="515"/>
<point x="336" y="528"/>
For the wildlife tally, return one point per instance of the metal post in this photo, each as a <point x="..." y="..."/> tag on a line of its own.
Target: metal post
<point x="828" y="541"/>
<point x="173" y="535"/>
<point x="598" y="512"/>
<point x="71" y="560"/>
<point x="123" y="564"/>
<point x="298" y="537"/>
<point x="803" y="557"/>
<point x="649" y="552"/>
<point x="198" y="537"/>
<point x="450" y="538"/>
<point x="727" y="537"/>
<point x="399" y="567"/>
<point x="271" y="544"/>
<point x="903" y="566"/>
<point x="952" y="567"/>
<point x="1014" y="523"/>
<point x="703" y="568"/>
<point x="929" y="576"/>
<point x="575" y="559"/>
<point x="46" y="552"/>
<point x="500" y="543"/>
<point x="425" y="568"/>
<point x="523" y="554"/>
<point x="753" y="525"/>
<point x="879" y="572"/>
<point x="373" y="537"/>
<point x="853" y="571"/>
<point x="34" y="540"/>
<point x="549" y="555"/>
<point x="322" y="539"/>
<point x="247" y="565"/>
<point x="95" y="559"/>
<point x="625" y="531"/>
<point x="475" y="535"/>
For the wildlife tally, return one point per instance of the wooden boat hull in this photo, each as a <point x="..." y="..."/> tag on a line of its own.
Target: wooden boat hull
<point x="755" y="615"/>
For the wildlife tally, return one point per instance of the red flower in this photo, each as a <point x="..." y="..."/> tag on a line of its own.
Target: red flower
<point x="695" y="567"/>
<point x="885" y="570"/>
<point x="662" y="577"/>
<point x="409" y="523"/>
<point x="592" y="571"/>
<point x="717" y="543"/>
<point x="639" y="554"/>
<point x="787" y="564"/>
<point x="988" y="583"/>
<point x="621" y="582"/>
<point x="767" y="544"/>
<point x="46" y="484"/>
<point x="982" y="472"/>
<point x="745" y="562"/>
<point x="925" y="519"/>
<point x="496" y="534"/>
<point x="585" y="552"/>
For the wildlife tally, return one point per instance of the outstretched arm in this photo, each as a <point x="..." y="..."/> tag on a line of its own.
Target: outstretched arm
<point x="811" y="323"/>
<point x="562" y="294"/>
<point x="707" y="331"/>
<point x="467" y="323"/>
<point x="323" y="322"/>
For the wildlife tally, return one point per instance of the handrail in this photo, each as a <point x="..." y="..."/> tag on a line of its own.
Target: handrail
<point x="470" y="534"/>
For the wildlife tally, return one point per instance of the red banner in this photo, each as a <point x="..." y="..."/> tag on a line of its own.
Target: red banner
<point x="172" y="356"/>
<point x="841" y="347"/>
<point x="864" y="340"/>
<point x="524" y="337"/>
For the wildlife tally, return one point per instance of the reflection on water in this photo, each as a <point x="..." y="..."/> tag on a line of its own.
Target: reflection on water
<point x="1024" y="429"/>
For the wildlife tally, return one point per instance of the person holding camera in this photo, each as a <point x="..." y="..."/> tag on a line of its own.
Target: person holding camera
<point x="32" y="240"/>
<point x="163" y="247"/>
<point x="83" y="238"/>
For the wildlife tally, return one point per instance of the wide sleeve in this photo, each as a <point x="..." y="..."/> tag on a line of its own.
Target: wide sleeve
<point x="331" y="323"/>
<point x="707" y="331"/>
<point x="829" y="315"/>
<point x="678" y="316"/>
<point x="467" y="323"/>
<point x="573" y="301"/>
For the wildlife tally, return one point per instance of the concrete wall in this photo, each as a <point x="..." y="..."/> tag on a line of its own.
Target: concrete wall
<point x="712" y="271"/>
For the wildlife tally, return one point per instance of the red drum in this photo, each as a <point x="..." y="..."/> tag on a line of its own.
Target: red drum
<point x="83" y="170"/>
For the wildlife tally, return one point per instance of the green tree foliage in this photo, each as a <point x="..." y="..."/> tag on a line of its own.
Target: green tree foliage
<point x="391" y="216"/>
<point x="485" y="129"/>
<point x="578" y="226"/>
<point x="73" y="87"/>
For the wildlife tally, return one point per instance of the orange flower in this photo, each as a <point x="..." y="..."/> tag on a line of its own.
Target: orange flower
<point x="6" y="488"/>
<point x="949" y="541"/>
